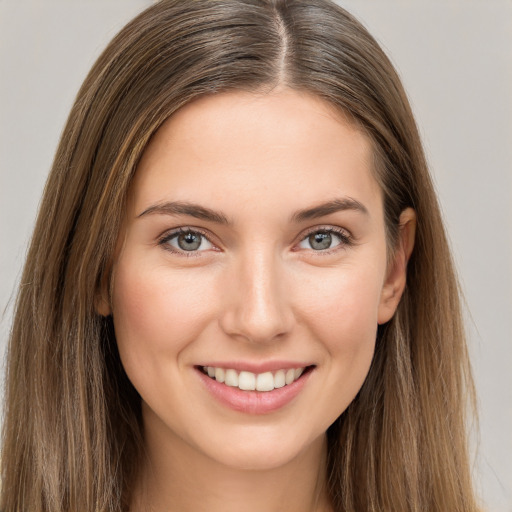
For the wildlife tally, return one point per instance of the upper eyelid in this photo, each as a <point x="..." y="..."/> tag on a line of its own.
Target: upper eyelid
<point x="346" y="240"/>
<point x="185" y="229"/>
<point x="164" y="242"/>
<point x="166" y="236"/>
<point x="329" y="228"/>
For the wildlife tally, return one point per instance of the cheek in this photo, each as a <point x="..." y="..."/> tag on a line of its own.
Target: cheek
<point x="343" y="306"/>
<point x="157" y="313"/>
<point x="341" y="313"/>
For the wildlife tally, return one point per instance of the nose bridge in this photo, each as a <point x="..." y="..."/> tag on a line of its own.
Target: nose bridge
<point x="259" y="309"/>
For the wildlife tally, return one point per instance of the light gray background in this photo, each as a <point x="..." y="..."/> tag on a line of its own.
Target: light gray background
<point x="455" y="58"/>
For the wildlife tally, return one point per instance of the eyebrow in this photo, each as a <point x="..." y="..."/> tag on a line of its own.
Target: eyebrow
<point x="336" y="205"/>
<point x="185" y="208"/>
<point x="203" y="213"/>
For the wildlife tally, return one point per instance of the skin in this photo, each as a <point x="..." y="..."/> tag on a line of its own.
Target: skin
<point x="256" y="290"/>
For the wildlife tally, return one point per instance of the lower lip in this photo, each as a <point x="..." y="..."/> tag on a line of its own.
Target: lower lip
<point x="254" y="402"/>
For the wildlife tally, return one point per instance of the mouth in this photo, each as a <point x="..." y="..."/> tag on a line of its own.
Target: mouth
<point x="249" y="381"/>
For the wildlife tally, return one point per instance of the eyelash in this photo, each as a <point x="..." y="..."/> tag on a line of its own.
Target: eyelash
<point x="167" y="237"/>
<point x="346" y="239"/>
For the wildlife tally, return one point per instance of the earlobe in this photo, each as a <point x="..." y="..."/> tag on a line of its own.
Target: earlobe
<point x="397" y="270"/>
<point x="102" y="298"/>
<point x="102" y="306"/>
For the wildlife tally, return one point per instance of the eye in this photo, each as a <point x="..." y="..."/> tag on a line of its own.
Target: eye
<point x="324" y="239"/>
<point x="186" y="240"/>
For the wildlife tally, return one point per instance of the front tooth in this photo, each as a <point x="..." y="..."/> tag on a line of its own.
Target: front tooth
<point x="279" y="379"/>
<point x="231" y="378"/>
<point x="219" y="374"/>
<point x="211" y="371"/>
<point x="298" y="373"/>
<point x="247" y="381"/>
<point x="290" y="376"/>
<point x="265" y="382"/>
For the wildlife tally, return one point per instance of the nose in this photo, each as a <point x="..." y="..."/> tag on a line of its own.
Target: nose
<point x="257" y="305"/>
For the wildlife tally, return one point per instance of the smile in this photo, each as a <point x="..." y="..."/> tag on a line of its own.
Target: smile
<point x="254" y="392"/>
<point x="248" y="381"/>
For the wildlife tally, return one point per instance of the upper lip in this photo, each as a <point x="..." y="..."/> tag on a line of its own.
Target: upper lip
<point x="256" y="367"/>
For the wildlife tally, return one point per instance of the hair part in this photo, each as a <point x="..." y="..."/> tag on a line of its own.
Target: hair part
<point x="72" y="434"/>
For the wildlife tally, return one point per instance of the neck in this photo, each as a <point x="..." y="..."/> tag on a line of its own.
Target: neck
<point x="175" y="477"/>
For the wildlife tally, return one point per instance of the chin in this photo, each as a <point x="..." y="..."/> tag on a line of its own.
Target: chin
<point x="262" y="451"/>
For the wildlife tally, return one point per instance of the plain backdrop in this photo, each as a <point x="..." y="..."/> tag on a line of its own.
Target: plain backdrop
<point x="455" y="58"/>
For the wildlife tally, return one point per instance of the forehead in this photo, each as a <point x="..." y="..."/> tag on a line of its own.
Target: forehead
<point x="284" y="147"/>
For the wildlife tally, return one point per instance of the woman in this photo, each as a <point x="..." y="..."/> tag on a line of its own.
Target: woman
<point x="239" y="293"/>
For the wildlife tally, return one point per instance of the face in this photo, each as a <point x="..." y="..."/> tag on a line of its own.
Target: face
<point x="251" y="276"/>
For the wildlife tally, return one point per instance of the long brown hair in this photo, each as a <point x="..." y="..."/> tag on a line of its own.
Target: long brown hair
<point x="72" y="430"/>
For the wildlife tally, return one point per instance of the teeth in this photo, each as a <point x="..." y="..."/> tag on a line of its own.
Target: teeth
<point x="279" y="379"/>
<point x="265" y="382"/>
<point x="219" y="374"/>
<point x="249" y="381"/>
<point x="231" y="378"/>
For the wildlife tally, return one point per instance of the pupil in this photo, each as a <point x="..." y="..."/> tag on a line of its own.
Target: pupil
<point x="189" y="241"/>
<point x="320" y="241"/>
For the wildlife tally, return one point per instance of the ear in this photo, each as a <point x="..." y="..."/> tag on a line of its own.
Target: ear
<point x="397" y="268"/>
<point x="102" y="298"/>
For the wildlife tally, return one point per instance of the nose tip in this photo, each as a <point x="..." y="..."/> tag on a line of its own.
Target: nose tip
<point x="259" y="325"/>
<point x="258" y="310"/>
